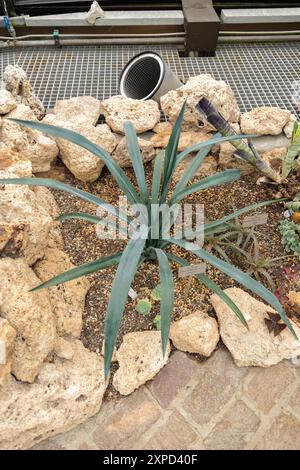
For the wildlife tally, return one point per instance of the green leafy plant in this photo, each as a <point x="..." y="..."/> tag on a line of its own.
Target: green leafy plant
<point x="289" y="162"/>
<point x="157" y="322"/>
<point x="156" y="292"/>
<point x="231" y="237"/>
<point x="146" y="249"/>
<point x="290" y="233"/>
<point x="242" y="242"/>
<point x="258" y="265"/>
<point x="246" y="151"/>
<point x="294" y="205"/>
<point x="143" y="306"/>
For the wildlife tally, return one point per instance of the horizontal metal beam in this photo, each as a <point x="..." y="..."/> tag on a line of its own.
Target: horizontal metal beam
<point x="111" y="18"/>
<point x="261" y="15"/>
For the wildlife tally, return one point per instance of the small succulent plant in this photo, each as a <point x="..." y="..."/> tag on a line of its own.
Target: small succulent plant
<point x="144" y="306"/>
<point x="290" y="233"/>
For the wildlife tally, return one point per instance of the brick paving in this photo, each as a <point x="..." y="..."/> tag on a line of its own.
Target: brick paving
<point x="198" y="405"/>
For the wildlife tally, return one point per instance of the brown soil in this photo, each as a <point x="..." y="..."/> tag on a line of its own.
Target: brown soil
<point x="83" y="245"/>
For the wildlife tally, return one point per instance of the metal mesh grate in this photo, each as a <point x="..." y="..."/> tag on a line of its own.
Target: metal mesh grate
<point x="260" y="74"/>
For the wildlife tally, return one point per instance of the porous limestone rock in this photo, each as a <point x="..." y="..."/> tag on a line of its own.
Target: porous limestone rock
<point x="217" y="91"/>
<point x="144" y="115"/>
<point x="64" y="348"/>
<point x="94" y="12"/>
<point x="79" y="110"/>
<point x="12" y="164"/>
<point x="47" y="201"/>
<point x="40" y="149"/>
<point x="30" y="314"/>
<point x="187" y="139"/>
<point x="140" y="358"/>
<point x="7" y="102"/>
<point x="7" y="339"/>
<point x="17" y="83"/>
<point x="195" y="333"/>
<point x="13" y="238"/>
<point x="163" y="127"/>
<point x="274" y="157"/>
<point x="289" y="127"/>
<point x="254" y="346"/>
<point x="121" y="154"/>
<point x="83" y="164"/>
<point x="25" y="224"/>
<point x="294" y="297"/>
<point x="266" y="120"/>
<point x="66" y="393"/>
<point x="67" y="299"/>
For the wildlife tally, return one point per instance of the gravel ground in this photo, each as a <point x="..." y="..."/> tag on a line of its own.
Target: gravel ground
<point x="82" y="245"/>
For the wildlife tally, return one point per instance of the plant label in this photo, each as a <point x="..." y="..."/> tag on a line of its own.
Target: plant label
<point x="2" y="352"/>
<point x="192" y="270"/>
<point x="132" y="294"/>
<point x="257" y="219"/>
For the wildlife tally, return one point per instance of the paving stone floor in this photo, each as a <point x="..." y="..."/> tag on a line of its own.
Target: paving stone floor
<point x="193" y="405"/>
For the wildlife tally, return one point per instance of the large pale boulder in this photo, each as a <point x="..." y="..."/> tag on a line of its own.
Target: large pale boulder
<point x="7" y="102"/>
<point x="274" y="157"/>
<point x="66" y="393"/>
<point x="64" y="348"/>
<point x="254" y="346"/>
<point x="13" y="238"/>
<point x="140" y="358"/>
<point x="144" y="115"/>
<point x="289" y="127"/>
<point x="121" y="154"/>
<point x="13" y="165"/>
<point x="187" y="139"/>
<point x="25" y="224"/>
<point x="17" y="83"/>
<point x="68" y="299"/>
<point x="47" y="201"/>
<point x="163" y="127"/>
<point x="30" y="314"/>
<point x="217" y="91"/>
<point x="79" y="110"/>
<point x="7" y="339"/>
<point x="40" y="149"/>
<point x="83" y="164"/>
<point x="21" y="236"/>
<point x="266" y="120"/>
<point x="195" y="333"/>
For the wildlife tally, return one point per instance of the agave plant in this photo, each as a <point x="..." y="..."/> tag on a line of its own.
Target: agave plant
<point x="144" y="249"/>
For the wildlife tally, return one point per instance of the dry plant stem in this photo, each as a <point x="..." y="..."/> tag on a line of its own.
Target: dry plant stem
<point x="244" y="151"/>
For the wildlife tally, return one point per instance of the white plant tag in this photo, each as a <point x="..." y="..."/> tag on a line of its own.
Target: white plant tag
<point x="192" y="270"/>
<point x="257" y="219"/>
<point x="132" y="294"/>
